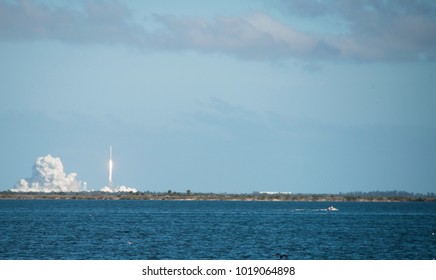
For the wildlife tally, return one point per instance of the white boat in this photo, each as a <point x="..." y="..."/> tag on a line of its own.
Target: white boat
<point x="331" y="208"/>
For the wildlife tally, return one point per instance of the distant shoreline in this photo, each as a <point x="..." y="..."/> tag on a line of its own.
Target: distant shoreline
<point x="211" y="197"/>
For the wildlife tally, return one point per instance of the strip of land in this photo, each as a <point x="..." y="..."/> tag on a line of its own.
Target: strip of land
<point x="213" y="196"/>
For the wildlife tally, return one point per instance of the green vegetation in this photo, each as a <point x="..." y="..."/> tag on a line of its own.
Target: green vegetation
<point x="377" y="196"/>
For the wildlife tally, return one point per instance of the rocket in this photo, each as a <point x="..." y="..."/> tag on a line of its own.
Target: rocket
<point x="110" y="167"/>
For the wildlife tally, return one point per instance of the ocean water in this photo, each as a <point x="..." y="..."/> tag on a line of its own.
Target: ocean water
<point x="100" y="230"/>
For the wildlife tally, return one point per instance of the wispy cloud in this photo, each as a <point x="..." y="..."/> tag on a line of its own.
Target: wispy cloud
<point x="105" y="22"/>
<point x="392" y="30"/>
<point x="256" y="36"/>
<point x="378" y="30"/>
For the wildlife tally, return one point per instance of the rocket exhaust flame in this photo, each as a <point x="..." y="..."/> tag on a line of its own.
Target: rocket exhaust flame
<point x="110" y="187"/>
<point x="110" y="168"/>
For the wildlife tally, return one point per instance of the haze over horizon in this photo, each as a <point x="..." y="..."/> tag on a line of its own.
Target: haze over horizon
<point x="222" y="96"/>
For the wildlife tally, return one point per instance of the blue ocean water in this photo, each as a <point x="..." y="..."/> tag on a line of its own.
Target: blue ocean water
<point x="79" y="229"/>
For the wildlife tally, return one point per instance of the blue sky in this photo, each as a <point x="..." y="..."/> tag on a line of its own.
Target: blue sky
<point x="222" y="96"/>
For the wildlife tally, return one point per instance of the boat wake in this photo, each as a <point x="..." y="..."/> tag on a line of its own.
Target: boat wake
<point x="328" y="209"/>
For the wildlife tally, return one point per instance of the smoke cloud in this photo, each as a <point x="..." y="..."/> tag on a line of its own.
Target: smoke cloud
<point x="48" y="176"/>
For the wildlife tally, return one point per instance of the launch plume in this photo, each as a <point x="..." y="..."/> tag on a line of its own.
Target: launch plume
<point x="110" y="167"/>
<point x="110" y="188"/>
<point x="48" y="176"/>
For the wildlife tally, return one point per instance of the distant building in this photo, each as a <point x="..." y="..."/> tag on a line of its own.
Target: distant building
<point x="271" y="193"/>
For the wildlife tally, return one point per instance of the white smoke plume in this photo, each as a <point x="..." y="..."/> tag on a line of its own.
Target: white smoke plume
<point x="48" y="176"/>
